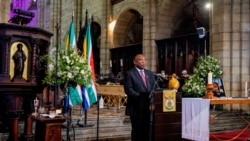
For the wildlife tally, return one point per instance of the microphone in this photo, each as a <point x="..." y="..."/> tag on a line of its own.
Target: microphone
<point x="158" y="77"/>
<point x="155" y="85"/>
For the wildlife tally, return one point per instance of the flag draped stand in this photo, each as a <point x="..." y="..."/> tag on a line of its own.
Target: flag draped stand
<point x="87" y="94"/>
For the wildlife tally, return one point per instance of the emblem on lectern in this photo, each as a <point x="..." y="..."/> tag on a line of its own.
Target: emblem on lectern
<point x="169" y="100"/>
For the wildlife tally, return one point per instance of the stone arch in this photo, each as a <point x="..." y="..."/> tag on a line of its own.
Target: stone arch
<point x="128" y="28"/>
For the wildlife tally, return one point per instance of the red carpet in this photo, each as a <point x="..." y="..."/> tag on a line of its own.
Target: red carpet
<point x="231" y="136"/>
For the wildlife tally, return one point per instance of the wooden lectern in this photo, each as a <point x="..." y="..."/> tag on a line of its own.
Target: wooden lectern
<point x="167" y="125"/>
<point x="48" y="129"/>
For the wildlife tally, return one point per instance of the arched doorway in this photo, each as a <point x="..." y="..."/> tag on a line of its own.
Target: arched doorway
<point x="128" y="34"/>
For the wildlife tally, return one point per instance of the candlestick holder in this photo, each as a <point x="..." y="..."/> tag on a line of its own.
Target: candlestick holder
<point x="209" y="94"/>
<point x="36" y="104"/>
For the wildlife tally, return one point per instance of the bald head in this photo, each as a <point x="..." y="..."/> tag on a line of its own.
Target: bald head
<point x="140" y="61"/>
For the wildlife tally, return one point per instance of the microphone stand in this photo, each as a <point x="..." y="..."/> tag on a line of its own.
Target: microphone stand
<point x="151" y="109"/>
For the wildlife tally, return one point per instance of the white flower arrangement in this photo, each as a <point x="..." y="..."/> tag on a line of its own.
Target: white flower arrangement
<point x="206" y="65"/>
<point x="71" y="67"/>
<point x="195" y="85"/>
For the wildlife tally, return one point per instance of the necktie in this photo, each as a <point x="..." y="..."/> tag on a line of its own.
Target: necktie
<point x="143" y="77"/>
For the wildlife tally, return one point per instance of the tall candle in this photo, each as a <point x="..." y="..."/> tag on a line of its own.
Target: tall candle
<point x="246" y="94"/>
<point x="110" y="63"/>
<point x="209" y="78"/>
<point x="121" y="62"/>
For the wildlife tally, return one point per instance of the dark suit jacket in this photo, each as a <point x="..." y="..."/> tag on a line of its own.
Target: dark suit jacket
<point x="135" y="88"/>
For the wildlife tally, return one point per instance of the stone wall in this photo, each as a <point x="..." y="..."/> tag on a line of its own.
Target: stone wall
<point x="229" y="39"/>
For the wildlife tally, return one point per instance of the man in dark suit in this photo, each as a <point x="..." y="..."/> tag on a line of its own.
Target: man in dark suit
<point x="138" y="83"/>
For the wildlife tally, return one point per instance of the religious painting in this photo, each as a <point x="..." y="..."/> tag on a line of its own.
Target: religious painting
<point x="169" y="101"/>
<point x="218" y="89"/>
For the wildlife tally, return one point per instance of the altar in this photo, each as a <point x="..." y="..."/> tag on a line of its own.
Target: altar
<point x="195" y="115"/>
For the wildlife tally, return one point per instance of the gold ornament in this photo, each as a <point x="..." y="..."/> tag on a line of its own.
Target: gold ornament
<point x="173" y="82"/>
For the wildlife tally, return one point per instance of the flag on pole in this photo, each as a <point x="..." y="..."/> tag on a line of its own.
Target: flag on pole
<point x="75" y="96"/>
<point x="70" y="39"/>
<point x="89" y="92"/>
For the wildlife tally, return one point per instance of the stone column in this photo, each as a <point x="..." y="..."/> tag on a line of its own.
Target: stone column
<point x="149" y="31"/>
<point x="229" y="40"/>
<point x="5" y="11"/>
<point x="106" y="39"/>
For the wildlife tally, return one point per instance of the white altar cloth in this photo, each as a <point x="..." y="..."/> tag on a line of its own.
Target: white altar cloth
<point x="195" y="119"/>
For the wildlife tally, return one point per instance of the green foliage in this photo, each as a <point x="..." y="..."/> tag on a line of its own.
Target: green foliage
<point x="206" y="65"/>
<point x="195" y="85"/>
